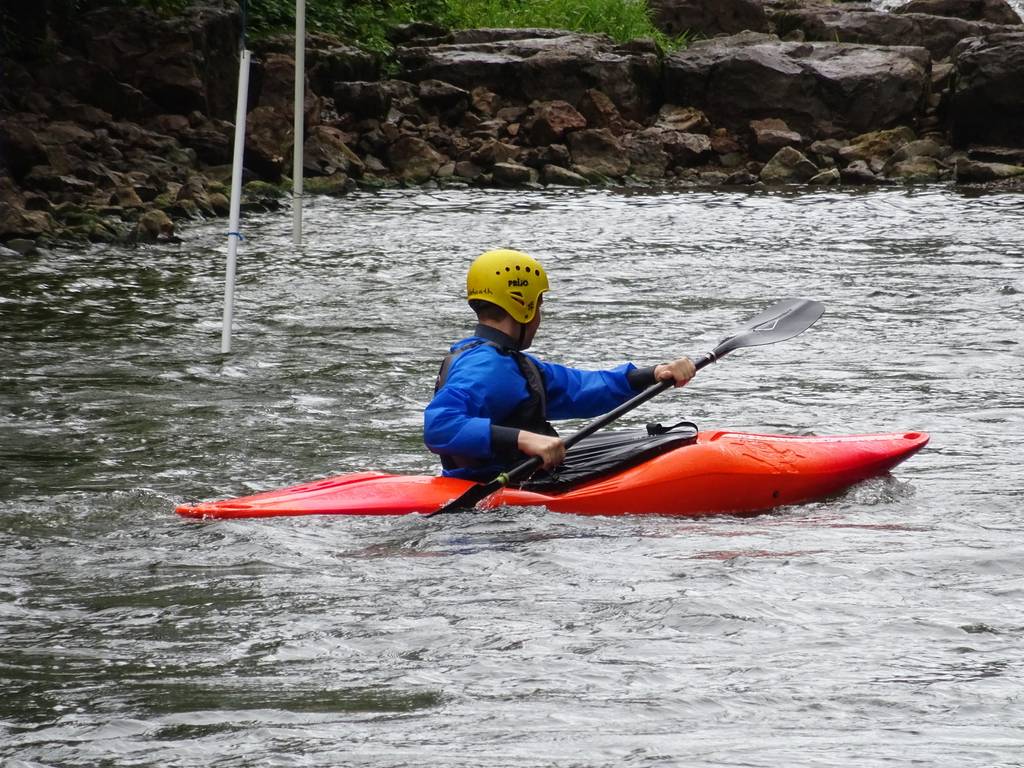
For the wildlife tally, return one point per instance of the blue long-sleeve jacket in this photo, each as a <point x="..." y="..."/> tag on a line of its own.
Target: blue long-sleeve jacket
<point x="484" y="385"/>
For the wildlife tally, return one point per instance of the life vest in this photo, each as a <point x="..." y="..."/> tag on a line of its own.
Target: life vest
<point x="529" y="414"/>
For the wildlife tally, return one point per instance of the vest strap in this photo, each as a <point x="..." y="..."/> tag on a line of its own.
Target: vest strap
<point x="530" y="414"/>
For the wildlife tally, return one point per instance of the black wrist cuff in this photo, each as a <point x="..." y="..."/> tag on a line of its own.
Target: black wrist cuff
<point x="504" y="439"/>
<point x="640" y="378"/>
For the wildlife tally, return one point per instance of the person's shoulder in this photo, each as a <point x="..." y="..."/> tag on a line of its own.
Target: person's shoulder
<point x="473" y="354"/>
<point x="461" y="344"/>
<point x="477" y="347"/>
<point x="546" y="363"/>
<point x="471" y="345"/>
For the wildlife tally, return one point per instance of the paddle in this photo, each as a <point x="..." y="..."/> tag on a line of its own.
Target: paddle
<point x="783" y="320"/>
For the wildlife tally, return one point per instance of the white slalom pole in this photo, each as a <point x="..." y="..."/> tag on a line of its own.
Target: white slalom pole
<point x="234" y="235"/>
<point x="299" y="124"/>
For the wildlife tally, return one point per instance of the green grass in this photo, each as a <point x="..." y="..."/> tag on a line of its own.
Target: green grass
<point x="622" y="20"/>
<point x="365" y="22"/>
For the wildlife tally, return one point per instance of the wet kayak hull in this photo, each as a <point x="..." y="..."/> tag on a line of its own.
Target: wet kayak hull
<point x="721" y="472"/>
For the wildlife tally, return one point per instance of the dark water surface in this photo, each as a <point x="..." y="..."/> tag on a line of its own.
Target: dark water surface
<point x="883" y="627"/>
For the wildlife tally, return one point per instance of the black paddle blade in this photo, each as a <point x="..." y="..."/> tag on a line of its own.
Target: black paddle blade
<point x="469" y="499"/>
<point x="783" y="320"/>
<point x="477" y="493"/>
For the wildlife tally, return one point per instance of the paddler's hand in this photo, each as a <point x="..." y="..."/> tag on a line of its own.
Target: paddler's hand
<point x="551" y="450"/>
<point x="680" y="371"/>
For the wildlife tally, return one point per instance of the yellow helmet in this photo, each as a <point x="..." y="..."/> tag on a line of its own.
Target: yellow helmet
<point x="510" y="279"/>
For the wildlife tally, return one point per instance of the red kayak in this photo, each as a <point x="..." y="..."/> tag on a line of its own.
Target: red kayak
<point x="714" y="472"/>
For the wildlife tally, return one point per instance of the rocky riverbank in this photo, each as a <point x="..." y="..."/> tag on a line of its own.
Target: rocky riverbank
<point x="122" y="128"/>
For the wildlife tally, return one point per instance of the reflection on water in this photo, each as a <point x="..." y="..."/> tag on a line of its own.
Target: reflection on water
<point x="837" y="633"/>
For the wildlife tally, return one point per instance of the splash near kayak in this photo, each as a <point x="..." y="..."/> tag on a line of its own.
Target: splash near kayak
<point x="704" y="473"/>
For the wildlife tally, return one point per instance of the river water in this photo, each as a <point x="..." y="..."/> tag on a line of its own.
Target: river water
<point x="885" y="626"/>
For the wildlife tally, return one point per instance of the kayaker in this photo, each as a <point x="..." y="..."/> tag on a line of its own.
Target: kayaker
<point x="492" y="403"/>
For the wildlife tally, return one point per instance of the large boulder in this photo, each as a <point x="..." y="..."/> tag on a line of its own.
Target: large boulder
<point x="557" y="176"/>
<point x="328" y="61"/>
<point x="771" y="135"/>
<point x="441" y="97"/>
<point x="95" y="85"/>
<point x="672" y="117"/>
<point x="274" y="87"/>
<point x="549" y="122"/>
<point x="973" y="171"/>
<point x="513" y="174"/>
<point x="212" y="140"/>
<point x="334" y="62"/>
<point x="599" y="150"/>
<point x="326" y="152"/>
<point x="492" y="151"/>
<point x="185" y="63"/>
<point x="686" y="149"/>
<point x="363" y="99"/>
<point x="917" y="170"/>
<point x="523" y="66"/>
<point x="817" y="88"/>
<point x="17" y="222"/>
<point x="268" y="142"/>
<point x="835" y="23"/>
<point x="600" y="112"/>
<point x="994" y="11"/>
<point x="21" y="144"/>
<point x="58" y="157"/>
<point x="153" y="226"/>
<point x="1009" y="155"/>
<point x="413" y="159"/>
<point x="987" y="104"/>
<point x="646" y="152"/>
<point x="708" y="17"/>
<point x="788" y="166"/>
<point x="876" y="147"/>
